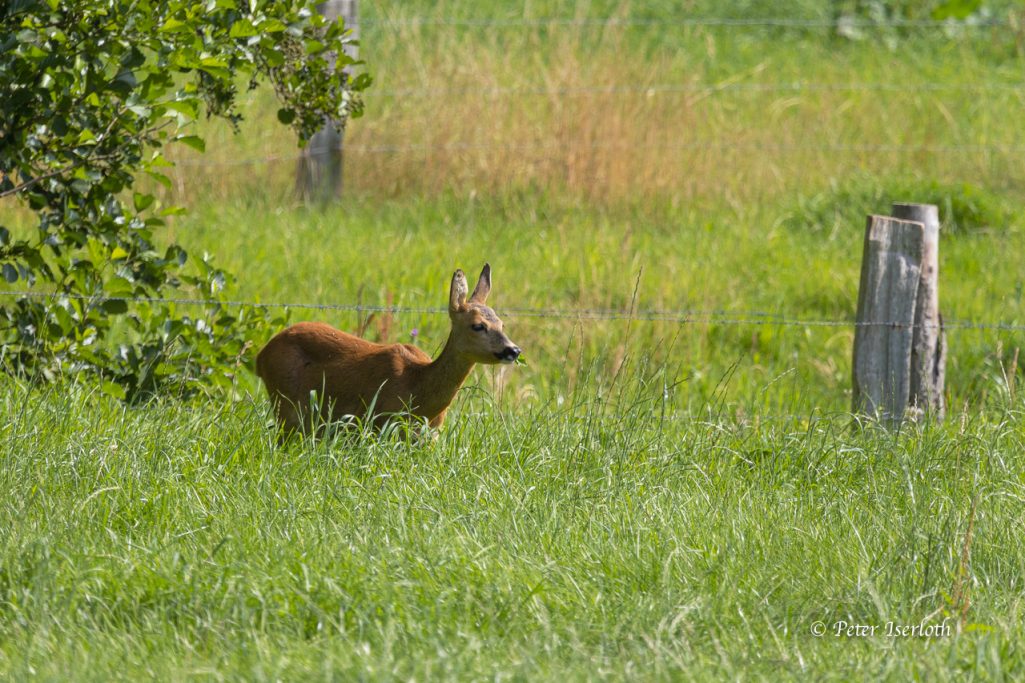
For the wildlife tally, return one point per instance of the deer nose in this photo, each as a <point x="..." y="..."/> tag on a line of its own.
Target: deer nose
<point x="509" y="353"/>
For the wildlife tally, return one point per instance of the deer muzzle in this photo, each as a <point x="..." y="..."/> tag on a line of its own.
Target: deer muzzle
<point x="509" y="354"/>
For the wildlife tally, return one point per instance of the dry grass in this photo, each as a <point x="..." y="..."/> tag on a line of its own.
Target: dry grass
<point x="587" y="112"/>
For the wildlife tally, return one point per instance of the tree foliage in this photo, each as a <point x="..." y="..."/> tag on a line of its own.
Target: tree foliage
<point x="92" y="92"/>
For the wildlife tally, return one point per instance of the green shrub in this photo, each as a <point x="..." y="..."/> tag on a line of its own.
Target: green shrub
<point x="92" y="92"/>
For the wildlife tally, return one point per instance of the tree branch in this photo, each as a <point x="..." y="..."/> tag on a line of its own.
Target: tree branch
<point x="71" y="167"/>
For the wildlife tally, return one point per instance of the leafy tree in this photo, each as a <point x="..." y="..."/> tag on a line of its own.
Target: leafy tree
<point x="92" y="91"/>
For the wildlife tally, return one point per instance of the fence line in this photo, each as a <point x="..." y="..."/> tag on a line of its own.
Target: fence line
<point x="727" y="22"/>
<point x="559" y="145"/>
<point x="716" y="317"/>
<point x="698" y="88"/>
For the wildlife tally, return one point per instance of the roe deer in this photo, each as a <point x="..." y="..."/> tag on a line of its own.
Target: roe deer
<point x="355" y="377"/>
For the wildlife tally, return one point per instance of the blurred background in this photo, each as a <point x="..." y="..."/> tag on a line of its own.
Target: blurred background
<point x="683" y="184"/>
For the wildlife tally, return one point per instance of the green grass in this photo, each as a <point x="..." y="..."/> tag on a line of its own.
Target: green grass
<point x="592" y="540"/>
<point x="645" y="499"/>
<point x="695" y="115"/>
<point x="799" y="260"/>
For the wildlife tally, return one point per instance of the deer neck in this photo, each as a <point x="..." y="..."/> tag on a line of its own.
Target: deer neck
<point x="441" y="379"/>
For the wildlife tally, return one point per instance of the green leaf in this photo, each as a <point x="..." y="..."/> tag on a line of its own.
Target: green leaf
<point x="215" y="67"/>
<point x="173" y="25"/>
<point x="123" y="83"/>
<point x="271" y="53"/>
<point x="10" y="273"/>
<point x="133" y="59"/>
<point x="362" y="81"/>
<point x="176" y="254"/>
<point x="158" y="161"/>
<point x="213" y="61"/>
<point x="115" y="306"/>
<point x="160" y="178"/>
<point x="142" y="201"/>
<point x="187" y="107"/>
<point x="119" y="286"/>
<point x="243" y="28"/>
<point x="193" y="141"/>
<point x="217" y="71"/>
<point x="286" y="116"/>
<point x="272" y="26"/>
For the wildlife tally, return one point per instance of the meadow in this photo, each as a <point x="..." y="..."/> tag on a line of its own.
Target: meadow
<point x="672" y="487"/>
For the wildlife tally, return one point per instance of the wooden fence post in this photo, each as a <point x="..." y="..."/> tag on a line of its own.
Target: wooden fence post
<point x="319" y="169"/>
<point x="928" y="346"/>
<point x="890" y="273"/>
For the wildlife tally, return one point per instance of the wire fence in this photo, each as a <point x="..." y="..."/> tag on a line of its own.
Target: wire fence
<point x="689" y="88"/>
<point x="554" y="145"/>
<point x="720" y="317"/>
<point x="682" y="317"/>
<point x="839" y="22"/>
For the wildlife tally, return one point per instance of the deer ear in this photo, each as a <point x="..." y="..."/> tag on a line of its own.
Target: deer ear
<point x="457" y="292"/>
<point x="483" y="288"/>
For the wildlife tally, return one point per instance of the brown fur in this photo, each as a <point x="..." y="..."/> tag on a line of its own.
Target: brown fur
<point x="352" y="376"/>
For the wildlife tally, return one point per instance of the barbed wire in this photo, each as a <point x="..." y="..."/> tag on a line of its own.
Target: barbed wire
<point x="689" y="88"/>
<point x="841" y="22"/>
<point x="621" y="146"/>
<point x="713" y="146"/>
<point x="717" y="317"/>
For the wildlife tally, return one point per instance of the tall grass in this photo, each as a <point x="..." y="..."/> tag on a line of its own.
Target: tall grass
<point x="653" y="499"/>
<point x="593" y="540"/>
<point x="691" y="114"/>
<point x="553" y="151"/>
<point x="756" y="265"/>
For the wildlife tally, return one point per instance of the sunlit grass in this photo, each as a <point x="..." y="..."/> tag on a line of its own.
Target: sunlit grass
<point x="689" y="114"/>
<point x="738" y="285"/>
<point x="600" y="538"/>
<point x="646" y="499"/>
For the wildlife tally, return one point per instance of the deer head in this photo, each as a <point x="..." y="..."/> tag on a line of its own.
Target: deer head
<point x="477" y="332"/>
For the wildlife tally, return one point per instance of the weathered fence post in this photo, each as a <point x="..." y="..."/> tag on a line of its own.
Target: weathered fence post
<point x="319" y="170"/>
<point x="890" y="273"/>
<point x="928" y="345"/>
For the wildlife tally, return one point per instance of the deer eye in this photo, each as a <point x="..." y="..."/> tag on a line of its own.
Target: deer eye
<point x="479" y="327"/>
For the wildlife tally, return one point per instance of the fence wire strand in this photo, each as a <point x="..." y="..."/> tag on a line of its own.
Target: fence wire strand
<point x="689" y="88"/>
<point x="839" y="23"/>
<point x="720" y="317"/>
<point x="545" y="147"/>
<point x="683" y="317"/>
